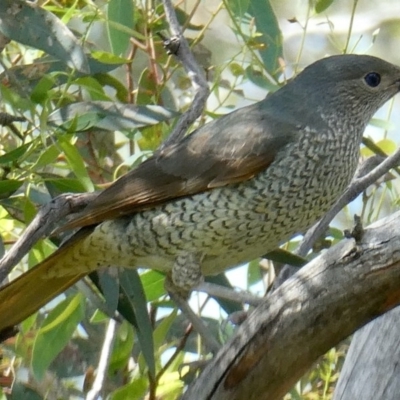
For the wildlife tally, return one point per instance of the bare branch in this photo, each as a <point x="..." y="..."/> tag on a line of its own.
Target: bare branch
<point x="104" y="361"/>
<point x="228" y="294"/>
<point x="370" y="370"/>
<point x="210" y="342"/>
<point x="41" y="226"/>
<point x="195" y="74"/>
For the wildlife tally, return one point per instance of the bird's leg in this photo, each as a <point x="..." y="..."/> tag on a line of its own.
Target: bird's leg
<point x="186" y="272"/>
<point x="185" y="276"/>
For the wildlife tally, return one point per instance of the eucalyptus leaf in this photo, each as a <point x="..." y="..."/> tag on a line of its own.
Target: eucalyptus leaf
<point x="322" y="5"/>
<point x="132" y="289"/>
<point x="113" y="116"/>
<point x="271" y="35"/>
<point x="36" y="27"/>
<point x="55" y="333"/>
<point x="120" y="12"/>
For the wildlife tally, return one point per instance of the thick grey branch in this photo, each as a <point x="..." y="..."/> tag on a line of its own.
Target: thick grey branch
<point x="371" y="369"/>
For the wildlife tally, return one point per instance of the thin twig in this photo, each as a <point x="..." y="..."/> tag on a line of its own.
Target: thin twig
<point x="104" y="361"/>
<point x="195" y="74"/>
<point x="179" y="347"/>
<point x="95" y="299"/>
<point x="41" y="226"/>
<point x="211" y="344"/>
<point x="228" y="294"/>
<point x="353" y="13"/>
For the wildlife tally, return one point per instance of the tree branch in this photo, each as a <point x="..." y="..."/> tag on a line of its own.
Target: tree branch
<point x="195" y="74"/>
<point x="41" y="226"/>
<point x="104" y="361"/>
<point x="371" y="368"/>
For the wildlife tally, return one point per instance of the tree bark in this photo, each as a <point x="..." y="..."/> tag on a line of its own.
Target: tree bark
<point x="372" y="367"/>
<point x="326" y="301"/>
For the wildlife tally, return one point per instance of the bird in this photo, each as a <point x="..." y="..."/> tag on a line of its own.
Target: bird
<point x="227" y="193"/>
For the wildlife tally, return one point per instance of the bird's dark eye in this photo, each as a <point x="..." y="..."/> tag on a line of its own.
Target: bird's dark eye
<point x="372" y="79"/>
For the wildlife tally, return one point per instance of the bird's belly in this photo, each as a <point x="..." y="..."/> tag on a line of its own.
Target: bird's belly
<point x="232" y="225"/>
<point x="227" y="226"/>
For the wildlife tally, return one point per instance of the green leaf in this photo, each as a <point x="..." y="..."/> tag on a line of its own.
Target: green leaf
<point x="83" y="122"/>
<point x="229" y="306"/>
<point x="22" y="391"/>
<point x="41" y="30"/>
<point x="387" y="145"/>
<point x="135" y="390"/>
<point x="184" y="19"/>
<point x="239" y="7"/>
<point x="133" y="290"/>
<point x="271" y="36"/>
<point x="160" y="333"/>
<point x="382" y="123"/>
<point x="40" y="93"/>
<point x="122" y="349"/>
<point x="48" y="156"/>
<point x="110" y="289"/>
<point x="15" y="154"/>
<point x="336" y="233"/>
<point x="29" y="211"/>
<point x="120" y="12"/>
<point x="253" y="272"/>
<point x="112" y="116"/>
<point x="55" y="333"/>
<point x="322" y="5"/>
<point x="76" y="163"/>
<point x="259" y="79"/>
<point x="153" y="284"/>
<point x="285" y="257"/>
<point x="93" y="87"/>
<point x="29" y="75"/>
<point x="236" y="69"/>
<point x="64" y="185"/>
<point x="8" y="187"/>
<point x="109" y="58"/>
<point x="121" y="90"/>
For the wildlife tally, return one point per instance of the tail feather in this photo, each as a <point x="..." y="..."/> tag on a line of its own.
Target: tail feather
<point x="32" y="290"/>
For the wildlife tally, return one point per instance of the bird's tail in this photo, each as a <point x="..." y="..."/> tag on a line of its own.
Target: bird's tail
<point x="32" y="290"/>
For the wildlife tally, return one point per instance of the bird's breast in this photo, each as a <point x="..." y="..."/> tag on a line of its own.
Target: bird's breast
<point x="234" y="224"/>
<point x="230" y="225"/>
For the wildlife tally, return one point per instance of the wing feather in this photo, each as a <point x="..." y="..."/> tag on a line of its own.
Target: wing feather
<point x="228" y="150"/>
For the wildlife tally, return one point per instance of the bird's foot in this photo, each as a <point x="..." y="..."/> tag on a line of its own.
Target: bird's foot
<point x="357" y="232"/>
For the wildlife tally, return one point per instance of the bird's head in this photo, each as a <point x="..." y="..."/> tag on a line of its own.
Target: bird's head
<point x="351" y="87"/>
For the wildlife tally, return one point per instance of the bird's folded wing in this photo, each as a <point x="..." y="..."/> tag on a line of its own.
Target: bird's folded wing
<point x="229" y="150"/>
